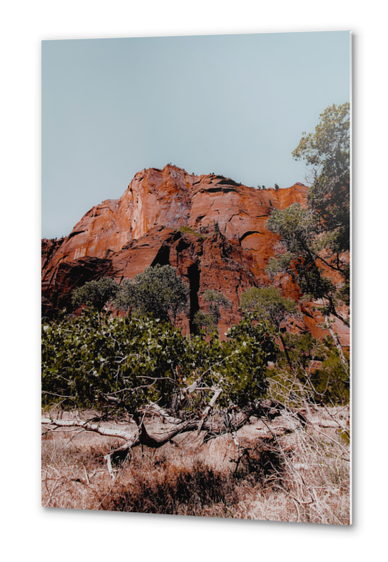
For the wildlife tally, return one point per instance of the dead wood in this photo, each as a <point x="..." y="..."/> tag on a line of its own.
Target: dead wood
<point x="211" y="426"/>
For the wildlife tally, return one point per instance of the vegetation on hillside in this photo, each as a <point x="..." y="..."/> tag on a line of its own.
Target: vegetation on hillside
<point x="96" y="293"/>
<point x="158" y="291"/>
<point x="89" y="359"/>
<point x="216" y="301"/>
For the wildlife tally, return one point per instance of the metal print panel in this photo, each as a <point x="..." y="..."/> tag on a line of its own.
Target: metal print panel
<point x="195" y="276"/>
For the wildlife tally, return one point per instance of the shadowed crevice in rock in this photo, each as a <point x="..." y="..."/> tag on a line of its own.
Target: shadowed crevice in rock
<point x="249" y="233"/>
<point x="163" y="256"/>
<point x="199" y="218"/>
<point x="74" y="233"/>
<point x="193" y="275"/>
<point x="220" y="189"/>
<point x="228" y="181"/>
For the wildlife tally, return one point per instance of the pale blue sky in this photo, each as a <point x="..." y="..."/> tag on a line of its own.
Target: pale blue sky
<point x="235" y="105"/>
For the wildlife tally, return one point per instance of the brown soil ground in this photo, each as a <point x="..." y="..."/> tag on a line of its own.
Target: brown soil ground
<point x="277" y="471"/>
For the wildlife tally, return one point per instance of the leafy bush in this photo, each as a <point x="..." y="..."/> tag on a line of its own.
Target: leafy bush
<point x="189" y="230"/>
<point x="315" y="241"/>
<point x="331" y="382"/>
<point x="318" y="368"/>
<point x="96" y="293"/>
<point x="216" y="300"/>
<point x="142" y="360"/>
<point x="268" y="304"/>
<point x="205" y="321"/>
<point x="158" y="291"/>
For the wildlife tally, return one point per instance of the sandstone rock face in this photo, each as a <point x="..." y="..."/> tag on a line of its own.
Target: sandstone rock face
<point x="224" y="246"/>
<point x="172" y="198"/>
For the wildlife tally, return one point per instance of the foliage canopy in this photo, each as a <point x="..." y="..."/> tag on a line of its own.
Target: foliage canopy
<point x="216" y="301"/>
<point x="317" y="366"/>
<point x="327" y="153"/>
<point x="143" y="360"/>
<point x="315" y="240"/>
<point x="268" y="304"/>
<point x="209" y="320"/>
<point x="158" y="291"/>
<point x="96" y="293"/>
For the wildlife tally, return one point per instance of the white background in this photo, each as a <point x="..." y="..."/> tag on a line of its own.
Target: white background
<point x="27" y="529"/>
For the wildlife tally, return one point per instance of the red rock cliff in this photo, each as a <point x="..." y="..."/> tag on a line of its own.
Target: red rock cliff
<point x="173" y="198"/>
<point x="122" y="237"/>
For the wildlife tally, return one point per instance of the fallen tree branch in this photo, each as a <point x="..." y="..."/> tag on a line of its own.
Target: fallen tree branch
<point x="209" y="408"/>
<point x="88" y="426"/>
<point x="213" y="427"/>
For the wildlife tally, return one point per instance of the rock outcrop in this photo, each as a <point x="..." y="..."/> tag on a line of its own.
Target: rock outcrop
<point x="212" y="229"/>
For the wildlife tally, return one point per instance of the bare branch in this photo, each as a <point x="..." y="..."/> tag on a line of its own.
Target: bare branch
<point x="209" y="408"/>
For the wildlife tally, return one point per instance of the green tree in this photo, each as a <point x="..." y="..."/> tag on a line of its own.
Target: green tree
<point x="327" y="154"/>
<point x="205" y="321"/>
<point x="216" y="301"/>
<point x="268" y="305"/>
<point x="158" y="291"/>
<point x="315" y="240"/>
<point x="318" y="367"/>
<point x="209" y="320"/>
<point x="96" y="293"/>
<point x="302" y="259"/>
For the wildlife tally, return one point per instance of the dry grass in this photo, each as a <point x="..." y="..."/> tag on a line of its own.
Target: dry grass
<point x="302" y="475"/>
